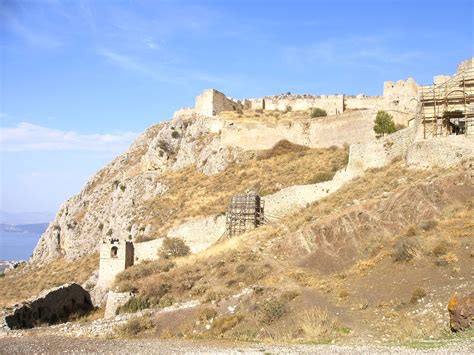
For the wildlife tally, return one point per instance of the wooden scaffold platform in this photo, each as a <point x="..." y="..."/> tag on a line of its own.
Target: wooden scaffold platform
<point x="448" y="108"/>
<point x="246" y="212"/>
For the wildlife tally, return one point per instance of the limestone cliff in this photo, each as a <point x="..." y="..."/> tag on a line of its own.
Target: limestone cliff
<point x="112" y="201"/>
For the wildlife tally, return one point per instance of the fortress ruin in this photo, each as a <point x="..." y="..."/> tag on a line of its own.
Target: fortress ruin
<point x="444" y="108"/>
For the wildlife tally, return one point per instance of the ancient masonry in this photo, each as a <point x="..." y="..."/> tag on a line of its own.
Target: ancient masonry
<point x="447" y="107"/>
<point x="397" y="96"/>
<point x="444" y="108"/>
<point x="52" y="306"/>
<point x="115" y="256"/>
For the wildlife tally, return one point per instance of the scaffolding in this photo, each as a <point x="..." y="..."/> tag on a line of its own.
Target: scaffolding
<point x="246" y="212"/>
<point x="448" y="108"/>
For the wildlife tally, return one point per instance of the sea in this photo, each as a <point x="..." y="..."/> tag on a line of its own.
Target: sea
<point x="18" y="245"/>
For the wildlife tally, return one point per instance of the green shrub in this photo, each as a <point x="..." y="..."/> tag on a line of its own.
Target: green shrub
<point x="166" y="301"/>
<point x="175" y="134"/>
<point x="318" y="112"/>
<point x="173" y="247"/>
<point x="383" y="124"/>
<point x="153" y="291"/>
<point x="133" y="305"/>
<point x="271" y="310"/>
<point x="144" y="269"/>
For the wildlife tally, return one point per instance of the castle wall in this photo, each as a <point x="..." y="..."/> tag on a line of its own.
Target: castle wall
<point x="211" y="102"/>
<point x="147" y="250"/>
<point x="200" y="233"/>
<point x="361" y="102"/>
<point x="401" y="95"/>
<point x="354" y="127"/>
<point x="332" y="104"/>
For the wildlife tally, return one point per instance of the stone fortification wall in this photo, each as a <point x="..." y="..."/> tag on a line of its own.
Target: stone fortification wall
<point x="354" y="127"/>
<point x="441" y="151"/>
<point x="147" y="250"/>
<point x="401" y="95"/>
<point x="332" y="104"/>
<point x="467" y="64"/>
<point x="361" y="102"/>
<point x="200" y="233"/>
<point x="211" y="102"/>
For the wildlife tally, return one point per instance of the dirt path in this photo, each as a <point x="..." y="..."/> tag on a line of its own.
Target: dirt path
<point x="60" y="344"/>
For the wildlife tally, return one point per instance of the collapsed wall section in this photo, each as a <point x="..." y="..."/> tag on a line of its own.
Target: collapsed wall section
<point x="52" y="306"/>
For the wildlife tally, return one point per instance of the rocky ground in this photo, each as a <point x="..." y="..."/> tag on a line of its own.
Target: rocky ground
<point x="62" y="344"/>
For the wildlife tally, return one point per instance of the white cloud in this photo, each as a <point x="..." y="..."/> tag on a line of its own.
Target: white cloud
<point x="30" y="137"/>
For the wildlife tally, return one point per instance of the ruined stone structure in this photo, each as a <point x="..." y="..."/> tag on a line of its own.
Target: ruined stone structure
<point x="211" y="102"/>
<point x="400" y="96"/>
<point x="52" y="306"/>
<point x="246" y="212"/>
<point x="115" y="256"/>
<point x="447" y="107"/>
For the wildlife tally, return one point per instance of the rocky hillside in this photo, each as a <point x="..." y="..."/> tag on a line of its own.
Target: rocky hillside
<point x="112" y="202"/>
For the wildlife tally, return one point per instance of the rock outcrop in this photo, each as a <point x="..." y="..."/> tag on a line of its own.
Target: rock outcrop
<point x="113" y="201"/>
<point x="50" y="307"/>
<point x="461" y="312"/>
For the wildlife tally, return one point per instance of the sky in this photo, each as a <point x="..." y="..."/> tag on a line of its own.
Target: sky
<point x="79" y="80"/>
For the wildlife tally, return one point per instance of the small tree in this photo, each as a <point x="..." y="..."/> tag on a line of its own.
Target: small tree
<point x="318" y="112"/>
<point x="173" y="247"/>
<point x="384" y="124"/>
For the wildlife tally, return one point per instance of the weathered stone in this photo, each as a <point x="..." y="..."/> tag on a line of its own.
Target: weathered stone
<point x="52" y="306"/>
<point x="461" y="312"/>
<point x="114" y="301"/>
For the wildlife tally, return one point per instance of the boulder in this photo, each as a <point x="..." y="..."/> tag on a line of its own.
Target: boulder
<point x="461" y="312"/>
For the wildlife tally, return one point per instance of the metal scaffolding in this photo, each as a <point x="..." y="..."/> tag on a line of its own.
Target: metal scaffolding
<point x="448" y="108"/>
<point x="246" y="212"/>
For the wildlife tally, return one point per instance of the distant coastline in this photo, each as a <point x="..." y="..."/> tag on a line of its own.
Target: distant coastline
<point x="18" y="241"/>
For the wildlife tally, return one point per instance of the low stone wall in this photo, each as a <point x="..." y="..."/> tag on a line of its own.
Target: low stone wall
<point x="52" y="306"/>
<point x="114" y="301"/>
<point x="290" y="199"/>
<point x="147" y="250"/>
<point x="200" y="233"/>
<point x="441" y="151"/>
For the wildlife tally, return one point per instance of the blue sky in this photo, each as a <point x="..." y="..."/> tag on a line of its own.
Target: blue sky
<point x="80" y="79"/>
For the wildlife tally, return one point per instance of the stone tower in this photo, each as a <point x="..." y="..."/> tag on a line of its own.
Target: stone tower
<point x="115" y="256"/>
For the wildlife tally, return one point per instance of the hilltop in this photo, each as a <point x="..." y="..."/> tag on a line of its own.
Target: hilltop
<point x="343" y="210"/>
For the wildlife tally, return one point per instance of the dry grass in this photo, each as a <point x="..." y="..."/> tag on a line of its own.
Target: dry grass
<point x="22" y="283"/>
<point x="135" y="326"/>
<point x="194" y="194"/>
<point x="317" y="325"/>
